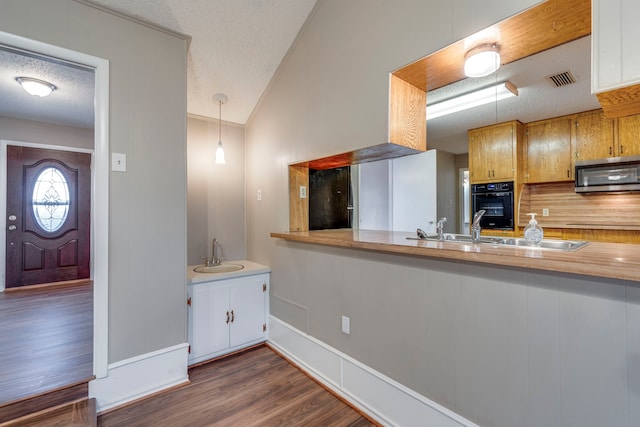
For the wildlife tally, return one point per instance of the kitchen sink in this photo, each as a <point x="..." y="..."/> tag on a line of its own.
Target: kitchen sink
<point x="560" y="245"/>
<point x="461" y="238"/>
<point x="222" y="268"/>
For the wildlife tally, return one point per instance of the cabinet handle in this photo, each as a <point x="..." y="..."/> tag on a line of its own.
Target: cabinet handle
<point x="567" y="173"/>
<point x="610" y="150"/>
<point x="233" y="316"/>
<point x="621" y="149"/>
<point x="227" y="317"/>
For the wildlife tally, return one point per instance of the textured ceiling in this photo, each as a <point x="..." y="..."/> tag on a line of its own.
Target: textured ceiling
<point x="537" y="99"/>
<point x="236" y="45"/>
<point x="70" y="104"/>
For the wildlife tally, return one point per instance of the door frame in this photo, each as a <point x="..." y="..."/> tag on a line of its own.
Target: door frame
<point x="99" y="191"/>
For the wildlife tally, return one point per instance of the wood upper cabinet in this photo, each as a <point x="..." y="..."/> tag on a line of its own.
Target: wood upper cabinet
<point x="598" y="137"/>
<point x="629" y="135"/>
<point x="492" y="152"/>
<point x="594" y="136"/>
<point x="548" y="150"/>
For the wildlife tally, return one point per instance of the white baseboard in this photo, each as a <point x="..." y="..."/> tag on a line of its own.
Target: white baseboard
<point x="380" y="397"/>
<point x="140" y="376"/>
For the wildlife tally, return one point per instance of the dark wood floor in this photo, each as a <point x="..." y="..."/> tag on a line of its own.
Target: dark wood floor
<point x="254" y="388"/>
<point x="46" y="340"/>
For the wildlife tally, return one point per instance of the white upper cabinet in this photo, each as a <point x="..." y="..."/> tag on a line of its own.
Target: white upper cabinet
<point x="616" y="37"/>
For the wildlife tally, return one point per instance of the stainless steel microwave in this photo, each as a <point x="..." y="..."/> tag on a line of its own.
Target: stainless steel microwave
<point x="614" y="174"/>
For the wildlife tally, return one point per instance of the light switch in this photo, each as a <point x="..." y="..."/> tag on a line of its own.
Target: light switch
<point x="346" y="325"/>
<point x="259" y="195"/>
<point x="303" y="192"/>
<point x="118" y="162"/>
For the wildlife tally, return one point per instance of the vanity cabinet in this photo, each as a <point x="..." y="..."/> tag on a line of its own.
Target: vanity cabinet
<point x="548" y="150"/>
<point x="493" y="152"/>
<point x="227" y="315"/>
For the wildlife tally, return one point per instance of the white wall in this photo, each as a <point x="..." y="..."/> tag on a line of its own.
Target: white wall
<point x="216" y="193"/>
<point x="147" y="210"/>
<point x="414" y="196"/>
<point x="447" y="193"/>
<point x="45" y="133"/>
<point x="409" y="192"/>
<point x="374" y="196"/>
<point x="503" y="347"/>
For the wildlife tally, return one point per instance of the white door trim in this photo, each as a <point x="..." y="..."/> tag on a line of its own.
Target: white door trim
<point x="99" y="190"/>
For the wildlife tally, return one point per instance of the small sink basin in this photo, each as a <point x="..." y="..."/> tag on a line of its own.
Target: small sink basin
<point x="222" y="268"/>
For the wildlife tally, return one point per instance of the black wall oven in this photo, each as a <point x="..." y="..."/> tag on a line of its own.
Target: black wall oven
<point x="497" y="200"/>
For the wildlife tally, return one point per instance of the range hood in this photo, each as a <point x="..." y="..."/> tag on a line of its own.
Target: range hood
<point x="613" y="175"/>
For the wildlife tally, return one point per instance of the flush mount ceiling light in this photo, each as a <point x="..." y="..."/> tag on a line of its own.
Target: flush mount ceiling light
<point x="472" y="99"/>
<point x="482" y="60"/>
<point x="221" y="99"/>
<point x="36" y="87"/>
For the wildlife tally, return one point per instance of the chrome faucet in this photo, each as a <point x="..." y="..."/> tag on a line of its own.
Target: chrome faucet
<point x="216" y="250"/>
<point x="475" y="225"/>
<point x="440" y="228"/>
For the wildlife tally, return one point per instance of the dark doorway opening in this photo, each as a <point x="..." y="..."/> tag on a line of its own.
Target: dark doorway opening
<point x="330" y="198"/>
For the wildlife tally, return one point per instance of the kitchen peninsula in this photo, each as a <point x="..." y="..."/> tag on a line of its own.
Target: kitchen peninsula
<point x="597" y="259"/>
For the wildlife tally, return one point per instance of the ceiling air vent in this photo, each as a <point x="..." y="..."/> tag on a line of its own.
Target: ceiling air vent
<point x="561" y="79"/>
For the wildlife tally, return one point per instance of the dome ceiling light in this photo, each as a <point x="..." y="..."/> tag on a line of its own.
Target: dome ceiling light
<point x="36" y="87"/>
<point x="482" y="60"/>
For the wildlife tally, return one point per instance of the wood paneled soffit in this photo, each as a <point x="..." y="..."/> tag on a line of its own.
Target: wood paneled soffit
<point x="620" y="102"/>
<point x="550" y="24"/>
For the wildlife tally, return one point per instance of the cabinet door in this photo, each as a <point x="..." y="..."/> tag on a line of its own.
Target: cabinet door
<point x="478" y="167"/>
<point x="594" y="136"/>
<point x="500" y="151"/>
<point x="629" y="135"/>
<point x="549" y="151"/>
<point x="247" y="302"/>
<point x="210" y="330"/>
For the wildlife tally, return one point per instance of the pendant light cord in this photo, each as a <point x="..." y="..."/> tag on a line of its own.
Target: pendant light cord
<point x="220" y="122"/>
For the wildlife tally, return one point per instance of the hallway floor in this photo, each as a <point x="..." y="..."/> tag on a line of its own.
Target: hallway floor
<point x="46" y="340"/>
<point x="253" y="388"/>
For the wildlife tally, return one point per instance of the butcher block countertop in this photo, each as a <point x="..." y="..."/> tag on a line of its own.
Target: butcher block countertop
<point x="598" y="259"/>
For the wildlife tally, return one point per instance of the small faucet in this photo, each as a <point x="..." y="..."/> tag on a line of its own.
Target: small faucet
<point x="216" y="250"/>
<point x="440" y="228"/>
<point x="475" y="225"/>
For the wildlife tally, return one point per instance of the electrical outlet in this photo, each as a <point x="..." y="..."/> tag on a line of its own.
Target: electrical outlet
<point x="346" y="325"/>
<point x="259" y="195"/>
<point x="303" y="192"/>
<point x="545" y="212"/>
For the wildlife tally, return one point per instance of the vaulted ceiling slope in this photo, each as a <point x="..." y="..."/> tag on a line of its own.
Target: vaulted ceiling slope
<point x="236" y="45"/>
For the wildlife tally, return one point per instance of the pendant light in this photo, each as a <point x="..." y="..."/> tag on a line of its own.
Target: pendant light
<point x="222" y="99"/>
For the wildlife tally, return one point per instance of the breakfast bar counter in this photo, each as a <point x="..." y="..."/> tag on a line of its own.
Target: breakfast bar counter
<point x="598" y="259"/>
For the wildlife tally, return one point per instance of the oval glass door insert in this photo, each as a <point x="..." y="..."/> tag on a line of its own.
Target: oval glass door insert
<point x="50" y="199"/>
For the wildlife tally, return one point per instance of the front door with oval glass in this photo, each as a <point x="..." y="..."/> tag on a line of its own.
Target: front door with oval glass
<point x="48" y="216"/>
